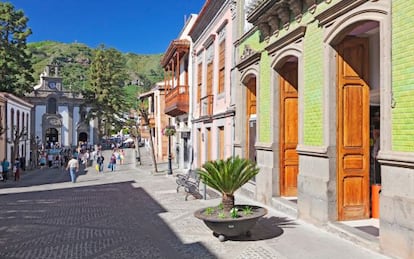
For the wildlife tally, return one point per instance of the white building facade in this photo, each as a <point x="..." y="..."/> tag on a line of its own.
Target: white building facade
<point x="58" y="116"/>
<point x="17" y="131"/>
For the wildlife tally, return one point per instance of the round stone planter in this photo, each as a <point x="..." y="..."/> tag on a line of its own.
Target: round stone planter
<point x="231" y="227"/>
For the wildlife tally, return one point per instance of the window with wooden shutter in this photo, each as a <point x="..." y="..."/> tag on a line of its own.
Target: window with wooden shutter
<point x="221" y="142"/>
<point x="210" y="78"/>
<point x="199" y="81"/>
<point x="222" y="66"/>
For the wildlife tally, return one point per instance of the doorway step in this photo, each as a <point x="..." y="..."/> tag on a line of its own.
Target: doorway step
<point x="286" y="205"/>
<point x="364" y="233"/>
<point x="361" y="232"/>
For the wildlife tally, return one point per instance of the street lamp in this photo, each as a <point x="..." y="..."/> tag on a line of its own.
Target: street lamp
<point x="169" y="150"/>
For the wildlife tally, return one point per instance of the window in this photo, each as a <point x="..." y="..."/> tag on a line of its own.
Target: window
<point x="199" y="81"/>
<point x="222" y="65"/>
<point x="221" y="142"/>
<point x="27" y="123"/>
<point x="51" y="106"/>
<point x="12" y="123"/>
<point x="210" y="78"/>
<point x="18" y="122"/>
<point x="83" y="115"/>
<point x="23" y="126"/>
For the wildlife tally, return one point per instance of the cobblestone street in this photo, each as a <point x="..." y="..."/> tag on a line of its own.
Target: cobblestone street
<point x="132" y="213"/>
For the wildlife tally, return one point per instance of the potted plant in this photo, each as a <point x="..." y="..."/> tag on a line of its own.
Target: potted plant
<point x="227" y="176"/>
<point x="169" y="131"/>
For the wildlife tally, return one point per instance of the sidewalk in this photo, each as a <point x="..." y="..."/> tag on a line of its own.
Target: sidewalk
<point x="275" y="236"/>
<point x="134" y="213"/>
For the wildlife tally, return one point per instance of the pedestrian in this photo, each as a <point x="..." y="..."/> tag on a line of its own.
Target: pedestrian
<point x="50" y="160"/>
<point x="5" y="165"/>
<point x="16" y="169"/>
<point x="73" y="167"/>
<point x="100" y="161"/>
<point x="121" y="157"/>
<point x="112" y="162"/>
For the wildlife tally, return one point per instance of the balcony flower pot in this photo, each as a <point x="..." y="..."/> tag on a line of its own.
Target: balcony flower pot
<point x="227" y="176"/>
<point x="169" y="131"/>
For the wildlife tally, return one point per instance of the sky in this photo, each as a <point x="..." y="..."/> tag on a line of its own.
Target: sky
<point x="136" y="26"/>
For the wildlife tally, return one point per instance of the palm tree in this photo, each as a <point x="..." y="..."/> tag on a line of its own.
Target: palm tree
<point x="227" y="176"/>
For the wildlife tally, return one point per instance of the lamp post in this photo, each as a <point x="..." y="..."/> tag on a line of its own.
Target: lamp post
<point x="36" y="152"/>
<point x="169" y="150"/>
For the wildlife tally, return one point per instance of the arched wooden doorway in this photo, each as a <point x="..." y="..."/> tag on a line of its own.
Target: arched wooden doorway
<point x="354" y="103"/>
<point x="288" y="139"/>
<point x="250" y="151"/>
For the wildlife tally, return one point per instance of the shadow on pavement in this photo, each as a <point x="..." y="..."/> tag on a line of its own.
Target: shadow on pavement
<point x="41" y="176"/>
<point x="267" y="228"/>
<point x="104" y="221"/>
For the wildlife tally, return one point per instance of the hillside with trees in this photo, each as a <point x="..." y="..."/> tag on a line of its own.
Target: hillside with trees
<point x="75" y="58"/>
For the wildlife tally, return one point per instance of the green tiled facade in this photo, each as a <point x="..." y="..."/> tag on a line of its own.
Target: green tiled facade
<point x="264" y="89"/>
<point x="403" y="75"/>
<point x="313" y="86"/>
<point x="265" y="103"/>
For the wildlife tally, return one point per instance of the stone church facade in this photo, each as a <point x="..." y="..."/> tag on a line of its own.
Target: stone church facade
<point x="58" y="117"/>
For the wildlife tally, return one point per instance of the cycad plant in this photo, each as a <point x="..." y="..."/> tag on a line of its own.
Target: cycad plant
<point x="227" y="176"/>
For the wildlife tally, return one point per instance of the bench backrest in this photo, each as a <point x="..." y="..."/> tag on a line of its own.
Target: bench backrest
<point x="193" y="175"/>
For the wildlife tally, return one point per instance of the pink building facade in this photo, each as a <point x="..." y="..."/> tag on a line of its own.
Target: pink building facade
<point x="213" y="108"/>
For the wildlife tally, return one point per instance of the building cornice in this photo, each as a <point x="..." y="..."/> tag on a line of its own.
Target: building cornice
<point x="248" y="58"/>
<point x="337" y="10"/>
<point x="11" y="97"/>
<point x="205" y="17"/>
<point x="286" y="40"/>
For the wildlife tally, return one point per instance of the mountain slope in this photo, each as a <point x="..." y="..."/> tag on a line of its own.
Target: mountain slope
<point x="75" y="58"/>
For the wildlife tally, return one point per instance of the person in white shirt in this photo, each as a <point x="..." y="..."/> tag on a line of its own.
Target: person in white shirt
<point x="73" y="167"/>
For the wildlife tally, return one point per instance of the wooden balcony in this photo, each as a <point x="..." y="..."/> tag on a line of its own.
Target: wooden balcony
<point x="206" y="106"/>
<point x="177" y="101"/>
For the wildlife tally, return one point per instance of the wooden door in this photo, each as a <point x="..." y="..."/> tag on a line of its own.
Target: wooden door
<point x="289" y="159"/>
<point x="209" y="144"/>
<point x="199" y="148"/>
<point x="250" y="110"/>
<point x="353" y="130"/>
<point x="222" y="140"/>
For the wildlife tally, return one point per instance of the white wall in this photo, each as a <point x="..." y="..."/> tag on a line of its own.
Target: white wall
<point x="22" y="109"/>
<point x="75" y="121"/>
<point x="39" y="111"/>
<point x="64" y="111"/>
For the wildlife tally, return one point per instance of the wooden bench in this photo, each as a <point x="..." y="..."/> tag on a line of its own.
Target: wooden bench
<point x="190" y="182"/>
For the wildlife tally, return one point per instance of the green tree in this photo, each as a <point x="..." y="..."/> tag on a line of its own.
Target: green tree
<point x="105" y="94"/>
<point x="15" y="61"/>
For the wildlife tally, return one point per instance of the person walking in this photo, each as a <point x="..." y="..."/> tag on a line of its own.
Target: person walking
<point x="16" y="169"/>
<point x="73" y="167"/>
<point x="100" y="161"/>
<point x="50" y="160"/>
<point x="5" y="164"/>
<point x="121" y="157"/>
<point x="112" y="162"/>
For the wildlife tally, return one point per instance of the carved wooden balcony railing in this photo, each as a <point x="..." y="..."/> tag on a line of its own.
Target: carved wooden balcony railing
<point x="206" y="105"/>
<point x="177" y="101"/>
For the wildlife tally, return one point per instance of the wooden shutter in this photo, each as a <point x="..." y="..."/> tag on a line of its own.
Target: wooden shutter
<point x="210" y="78"/>
<point x="222" y="56"/>
<point x="199" y="81"/>
<point x="221" y="142"/>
